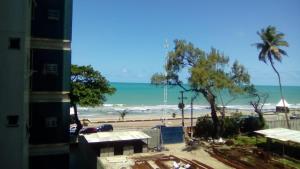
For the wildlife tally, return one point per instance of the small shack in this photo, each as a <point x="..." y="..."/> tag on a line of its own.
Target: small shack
<point x="288" y="139"/>
<point x="117" y="143"/>
<point x="280" y="106"/>
<point x="281" y="134"/>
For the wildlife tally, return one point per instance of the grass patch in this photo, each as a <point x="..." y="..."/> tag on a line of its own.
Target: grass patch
<point x="288" y="162"/>
<point x="246" y="140"/>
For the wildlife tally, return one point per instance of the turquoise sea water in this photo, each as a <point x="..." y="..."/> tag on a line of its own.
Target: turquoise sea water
<point x="135" y="94"/>
<point x="144" y="98"/>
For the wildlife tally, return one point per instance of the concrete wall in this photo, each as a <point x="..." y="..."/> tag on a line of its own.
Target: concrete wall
<point x="14" y="75"/>
<point x="154" y="141"/>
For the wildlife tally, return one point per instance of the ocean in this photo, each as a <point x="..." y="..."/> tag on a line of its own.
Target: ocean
<point x="144" y="99"/>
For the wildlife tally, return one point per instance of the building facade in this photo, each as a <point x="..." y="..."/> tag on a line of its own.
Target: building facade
<point x="14" y="88"/>
<point x="50" y="64"/>
<point x="35" y="52"/>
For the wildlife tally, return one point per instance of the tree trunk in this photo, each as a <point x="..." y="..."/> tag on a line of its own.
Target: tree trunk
<point x="214" y="118"/>
<point x="77" y="121"/>
<point x="212" y="101"/>
<point x="260" y="116"/>
<point x="282" y="98"/>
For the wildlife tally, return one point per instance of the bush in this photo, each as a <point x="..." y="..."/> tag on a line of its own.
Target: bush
<point x="250" y="124"/>
<point x="231" y="127"/>
<point x="204" y="127"/>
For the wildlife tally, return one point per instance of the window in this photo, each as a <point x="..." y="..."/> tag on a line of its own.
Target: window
<point x="50" y="69"/>
<point x="14" y="43"/>
<point x="51" y="122"/>
<point x="53" y="14"/>
<point x="12" y="120"/>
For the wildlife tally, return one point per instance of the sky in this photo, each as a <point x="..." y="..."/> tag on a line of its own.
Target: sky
<point x="124" y="39"/>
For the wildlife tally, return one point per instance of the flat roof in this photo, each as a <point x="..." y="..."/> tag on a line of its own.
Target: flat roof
<point x="115" y="136"/>
<point x="281" y="134"/>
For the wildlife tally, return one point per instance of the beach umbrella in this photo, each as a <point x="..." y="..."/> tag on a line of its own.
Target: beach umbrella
<point x="280" y="105"/>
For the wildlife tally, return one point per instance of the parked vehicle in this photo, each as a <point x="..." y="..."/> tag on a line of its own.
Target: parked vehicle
<point x="295" y="116"/>
<point x="88" y="130"/>
<point x="72" y="130"/>
<point x="159" y="126"/>
<point x="105" y="127"/>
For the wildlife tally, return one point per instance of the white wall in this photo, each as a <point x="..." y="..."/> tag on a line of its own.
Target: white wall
<point x="14" y="80"/>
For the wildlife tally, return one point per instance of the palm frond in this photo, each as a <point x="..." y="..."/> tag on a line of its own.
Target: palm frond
<point x="279" y="36"/>
<point x="282" y="43"/>
<point x="262" y="55"/>
<point x="258" y="45"/>
<point x="283" y="52"/>
<point x="276" y="55"/>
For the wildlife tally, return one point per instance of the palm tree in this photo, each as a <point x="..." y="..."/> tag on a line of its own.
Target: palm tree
<point x="123" y="114"/>
<point x="269" y="50"/>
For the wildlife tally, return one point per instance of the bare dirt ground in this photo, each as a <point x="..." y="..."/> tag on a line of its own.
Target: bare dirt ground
<point x="198" y="154"/>
<point x="223" y="156"/>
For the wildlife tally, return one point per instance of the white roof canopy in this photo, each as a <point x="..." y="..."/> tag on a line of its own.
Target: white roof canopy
<point x="281" y="134"/>
<point x="280" y="103"/>
<point x="115" y="136"/>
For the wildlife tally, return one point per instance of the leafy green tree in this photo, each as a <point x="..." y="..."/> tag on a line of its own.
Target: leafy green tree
<point x="88" y="88"/>
<point x="208" y="74"/>
<point x="270" y="50"/>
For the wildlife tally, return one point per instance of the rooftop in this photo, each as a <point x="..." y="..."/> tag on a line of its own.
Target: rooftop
<point x="281" y="134"/>
<point x="115" y="136"/>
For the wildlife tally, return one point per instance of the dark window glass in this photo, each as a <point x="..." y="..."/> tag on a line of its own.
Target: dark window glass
<point x="14" y="43"/>
<point x="53" y="14"/>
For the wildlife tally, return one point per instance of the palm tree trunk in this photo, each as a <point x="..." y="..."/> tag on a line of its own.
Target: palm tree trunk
<point x="282" y="98"/>
<point x="77" y="121"/>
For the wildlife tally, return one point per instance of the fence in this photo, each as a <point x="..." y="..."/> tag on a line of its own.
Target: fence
<point x="154" y="141"/>
<point x="172" y="135"/>
<point x="295" y="124"/>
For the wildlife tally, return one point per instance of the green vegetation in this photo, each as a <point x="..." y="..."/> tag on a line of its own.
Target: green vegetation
<point x="288" y="162"/>
<point x="250" y="124"/>
<point x="88" y="88"/>
<point x="243" y="140"/>
<point x="246" y="140"/>
<point x="208" y="74"/>
<point x="232" y="126"/>
<point x="204" y="127"/>
<point x="270" y="50"/>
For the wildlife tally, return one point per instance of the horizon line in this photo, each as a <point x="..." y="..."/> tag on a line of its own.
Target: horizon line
<point x="187" y="84"/>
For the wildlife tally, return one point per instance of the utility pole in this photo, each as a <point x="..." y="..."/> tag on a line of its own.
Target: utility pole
<point x="181" y="106"/>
